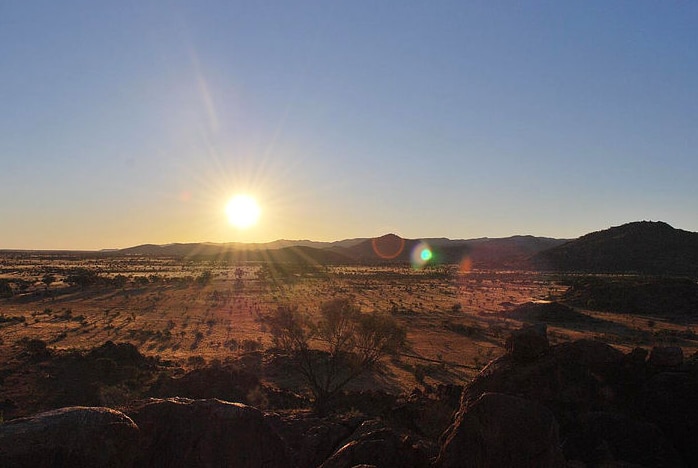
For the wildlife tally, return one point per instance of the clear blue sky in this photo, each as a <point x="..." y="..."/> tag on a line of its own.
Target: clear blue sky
<point x="130" y="122"/>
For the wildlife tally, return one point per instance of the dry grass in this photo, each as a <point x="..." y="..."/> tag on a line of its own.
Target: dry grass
<point x="453" y="319"/>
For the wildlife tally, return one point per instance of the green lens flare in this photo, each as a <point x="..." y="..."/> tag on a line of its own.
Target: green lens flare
<point x="425" y="255"/>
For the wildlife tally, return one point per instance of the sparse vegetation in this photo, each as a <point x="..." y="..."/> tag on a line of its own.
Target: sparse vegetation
<point x="5" y="289"/>
<point x="351" y="343"/>
<point x="456" y="322"/>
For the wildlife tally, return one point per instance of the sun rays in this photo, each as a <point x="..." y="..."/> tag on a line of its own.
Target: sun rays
<point x="243" y="211"/>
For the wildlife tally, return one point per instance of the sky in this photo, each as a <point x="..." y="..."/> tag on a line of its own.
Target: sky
<point x="132" y="122"/>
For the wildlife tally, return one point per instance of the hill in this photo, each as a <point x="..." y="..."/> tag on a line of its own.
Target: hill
<point x="506" y="252"/>
<point x="640" y="247"/>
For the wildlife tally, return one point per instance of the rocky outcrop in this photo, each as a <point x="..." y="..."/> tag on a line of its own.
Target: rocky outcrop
<point x="72" y="437"/>
<point x="224" y="382"/>
<point x="502" y="430"/>
<point x="174" y="433"/>
<point x="666" y="357"/>
<point x="670" y="400"/>
<point x="179" y="432"/>
<point x="582" y="403"/>
<point x="602" y="438"/>
<point x="309" y="439"/>
<point x="572" y="378"/>
<point x="429" y="413"/>
<point x="528" y="343"/>
<point x="629" y="409"/>
<point x="374" y="444"/>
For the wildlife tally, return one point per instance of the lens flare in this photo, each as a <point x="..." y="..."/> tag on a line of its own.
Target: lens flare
<point x="466" y="265"/>
<point x="425" y="255"/>
<point x="421" y="255"/>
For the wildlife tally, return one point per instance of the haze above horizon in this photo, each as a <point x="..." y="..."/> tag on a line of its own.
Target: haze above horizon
<point x="136" y="122"/>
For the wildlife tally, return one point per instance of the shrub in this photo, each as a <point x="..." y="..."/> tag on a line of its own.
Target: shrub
<point x="83" y="278"/>
<point x="204" y="278"/>
<point x="5" y="289"/>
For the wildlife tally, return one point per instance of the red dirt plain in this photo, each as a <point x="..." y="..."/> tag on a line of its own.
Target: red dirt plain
<point x="453" y="319"/>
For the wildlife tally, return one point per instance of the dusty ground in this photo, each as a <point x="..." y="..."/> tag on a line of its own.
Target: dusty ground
<point x="454" y="319"/>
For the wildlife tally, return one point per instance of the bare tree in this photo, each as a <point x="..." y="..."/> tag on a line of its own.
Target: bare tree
<point x="350" y="343"/>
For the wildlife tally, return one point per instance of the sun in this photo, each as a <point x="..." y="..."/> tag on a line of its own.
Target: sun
<point x="243" y="211"/>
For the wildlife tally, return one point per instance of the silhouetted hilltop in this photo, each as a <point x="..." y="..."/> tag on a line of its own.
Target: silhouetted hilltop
<point x="639" y="247"/>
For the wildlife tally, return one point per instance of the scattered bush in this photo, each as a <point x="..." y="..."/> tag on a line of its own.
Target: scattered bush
<point x="83" y="278"/>
<point x="35" y="348"/>
<point x="5" y="289"/>
<point x="13" y="319"/>
<point x="204" y="278"/>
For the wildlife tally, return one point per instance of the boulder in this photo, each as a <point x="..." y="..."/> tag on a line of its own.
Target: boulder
<point x="179" y="432"/>
<point x="227" y="383"/>
<point x="666" y="356"/>
<point x="528" y="343"/>
<point x="500" y="430"/>
<point x="670" y="400"/>
<point x="604" y="438"/>
<point x="637" y="356"/>
<point x="310" y="439"/>
<point x="597" y="394"/>
<point x="70" y="437"/>
<point x="572" y="378"/>
<point x="427" y="414"/>
<point x="373" y="444"/>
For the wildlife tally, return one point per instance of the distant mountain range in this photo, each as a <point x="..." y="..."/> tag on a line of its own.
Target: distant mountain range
<point x="640" y="247"/>
<point x="644" y="247"/>
<point x="390" y="248"/>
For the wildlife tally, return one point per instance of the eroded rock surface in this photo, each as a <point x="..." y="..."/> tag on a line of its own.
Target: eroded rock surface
<point x="178" y="432"/>
<point x="70" y="437"/>
<point x="502" y="430"/>
<point x="374" y="444"/>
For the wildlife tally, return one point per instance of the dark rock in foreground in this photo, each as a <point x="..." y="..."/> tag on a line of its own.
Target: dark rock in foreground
<point x="611" y="407"/>
<point x="602" y="437"/>
<point x="582" y="403"/>
<point x="311" y="439"/>
<point x="502" y="430"/>
<point x="528" y="343"/>
<point x="72" y="437"/>
<point x="666" y="357"/>
<point x="226" y="383"/>
<point x="374" y="444"/>
<point x="670" y="400"/>
<point x="570" y="379"/>
<point x="178" y="432"/>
